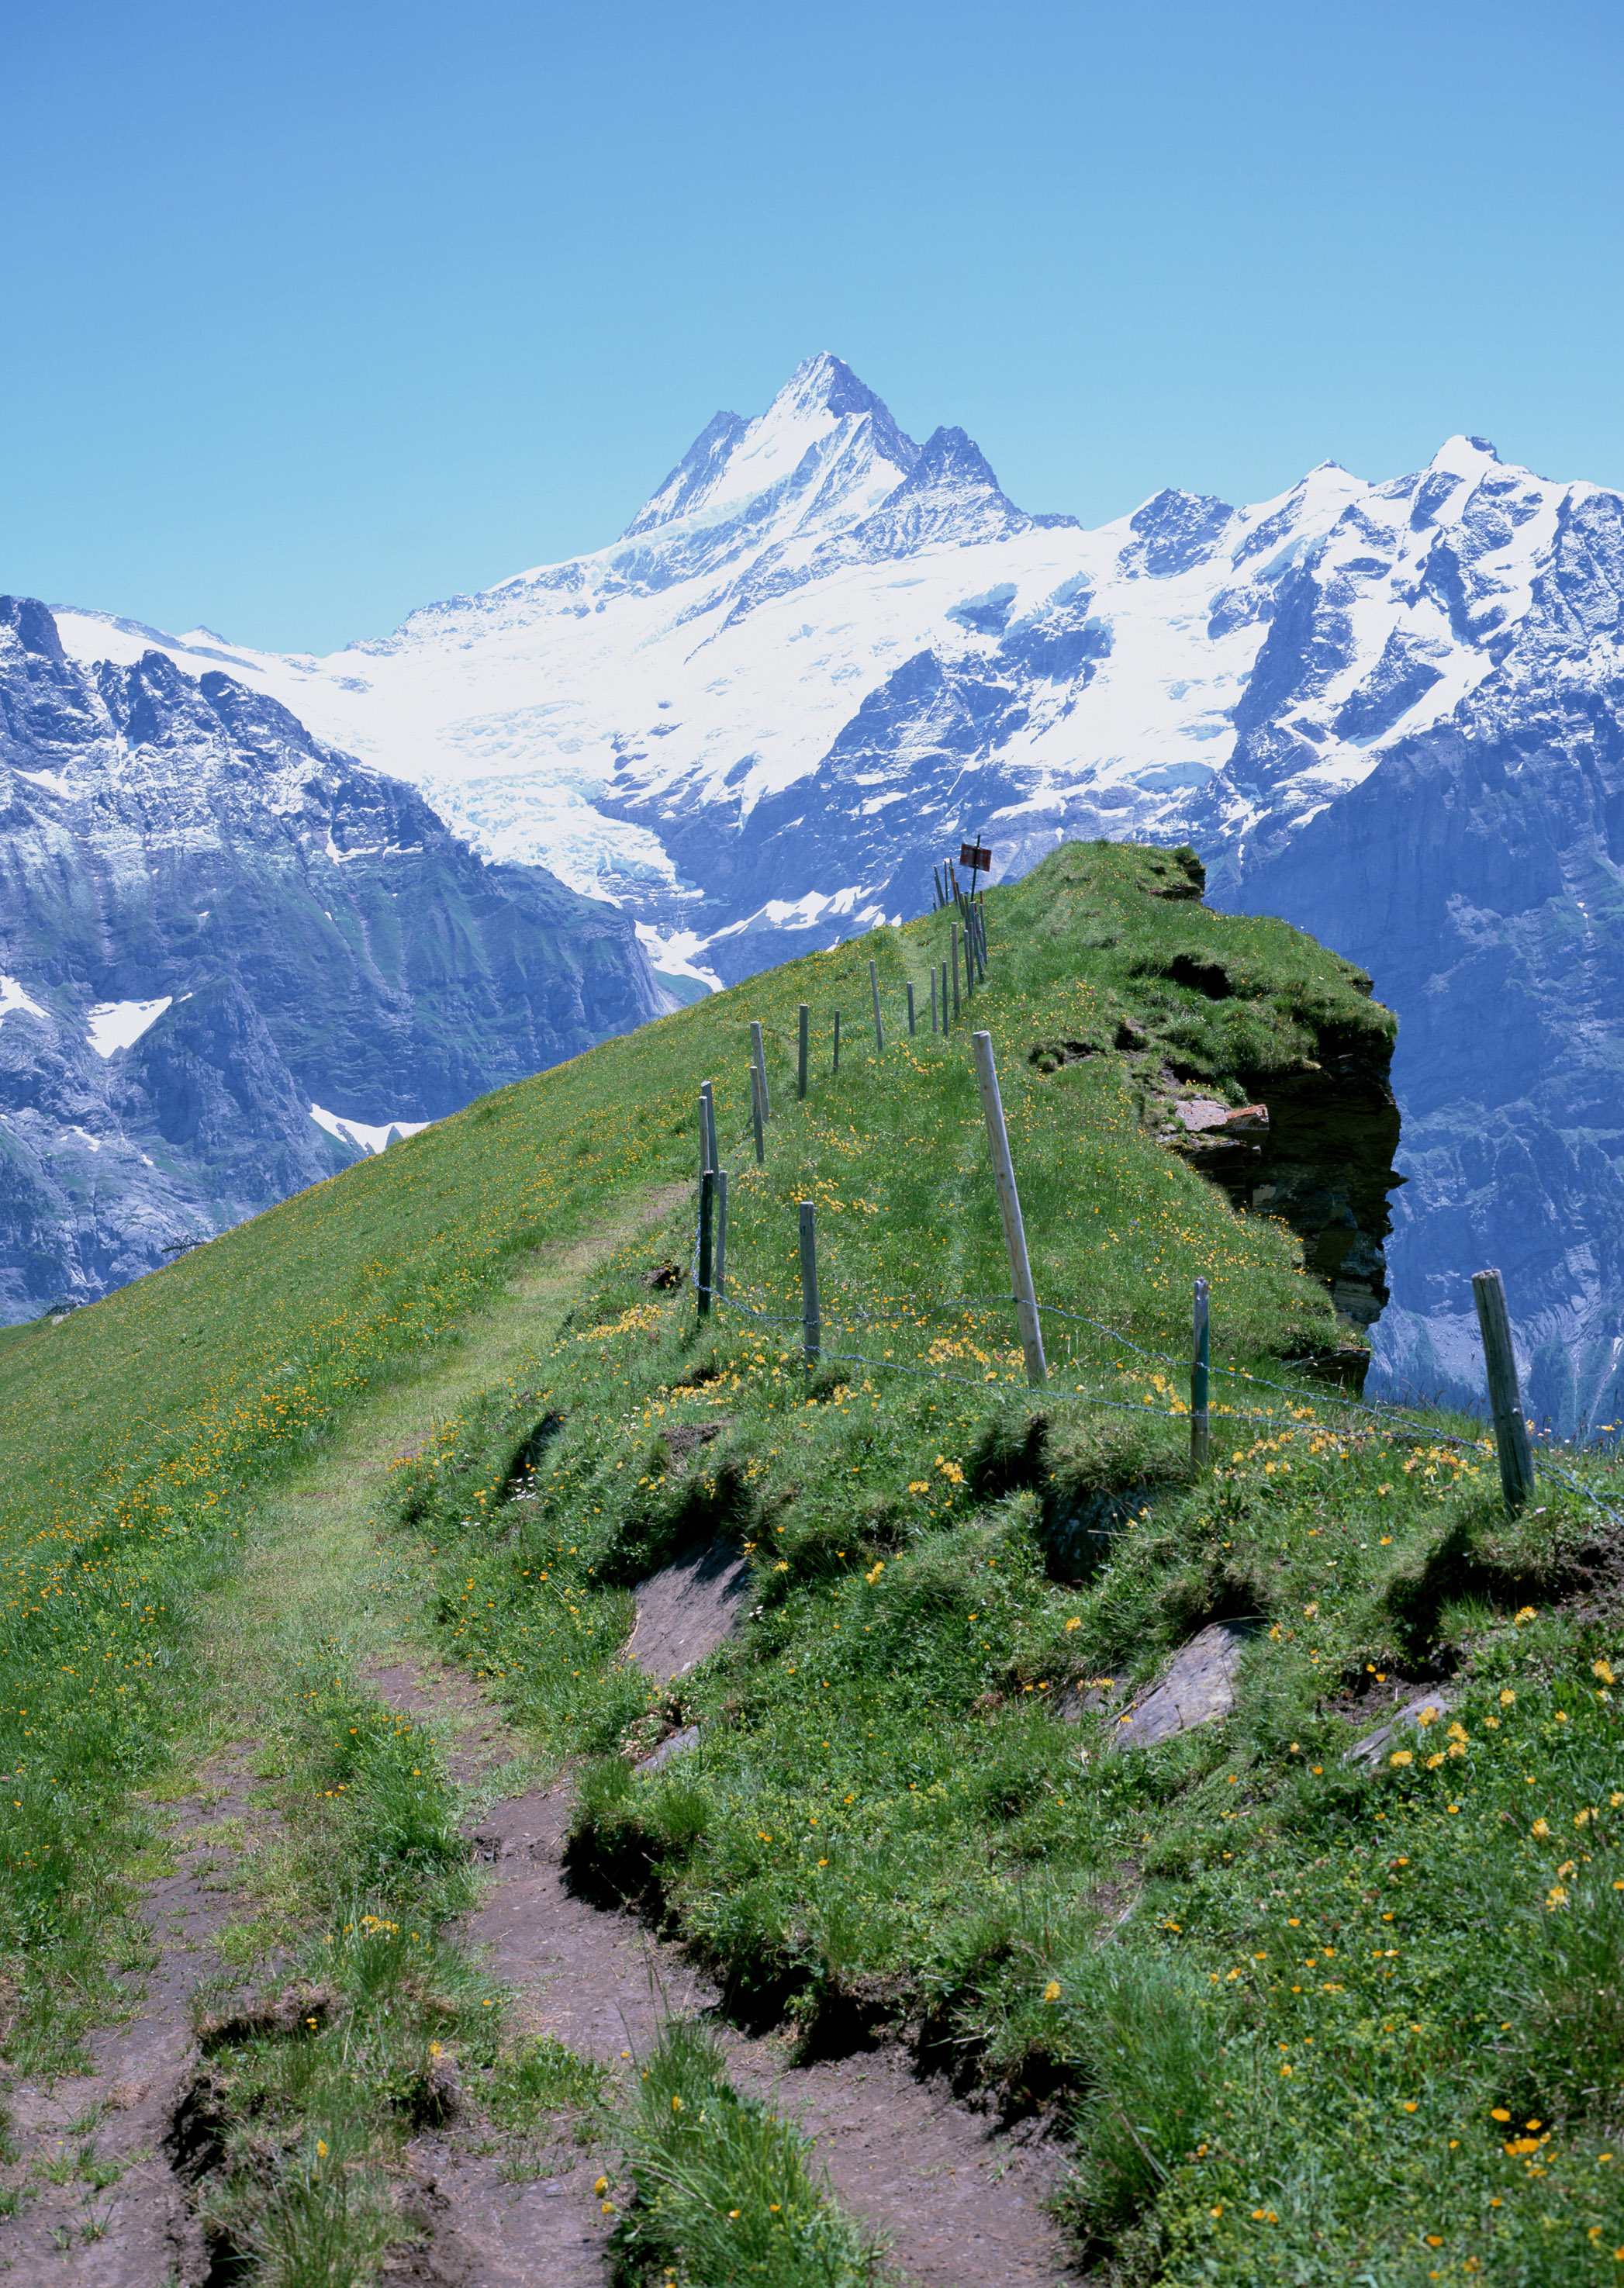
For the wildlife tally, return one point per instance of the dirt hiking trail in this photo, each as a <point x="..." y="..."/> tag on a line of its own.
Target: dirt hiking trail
<point x="103" y="2169"/>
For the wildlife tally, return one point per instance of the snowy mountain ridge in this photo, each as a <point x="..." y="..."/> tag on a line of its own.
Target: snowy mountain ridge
<point x="712" y="657"/>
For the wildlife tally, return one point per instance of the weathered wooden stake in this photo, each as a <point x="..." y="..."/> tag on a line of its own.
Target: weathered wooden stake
<point x="874" y="988"/>
<point x="759" y="1052"/>
<point x="704" y="1134"/>
<point x="936" y="885"/>
<point x="707" y="1213"/>
<point x="954" y="929"/>
<point x="935" y="1027"/>
<point x="944" y="1000"/>
<point x="836" y="1040"/>
<point x="761" y="1141"/>
<point x="1008" y="1205"/>
<point x="806" y="1050"/>
<point x="811" y="1324"/>
<point x="720" y="1276"/>
<point x="1505" y="1399"/>
<point x="709" y="1118"/>
<point x="1200" y="1424"/>
<point x="912" y="1025"/>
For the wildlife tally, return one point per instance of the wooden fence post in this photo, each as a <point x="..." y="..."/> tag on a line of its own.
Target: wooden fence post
<point x="837" y="1065"/>
<point x="759" y="1050"/>
<point x="811" y="1325"/>
<point x="1008" y="1205"/>
<point x="944" y="1000"/>
<point x="934" y="1028"/>
<point x="879" y="1031"/>
<point x="912" y="1026"/>
<point x="761" y="1143"/>
<point x="707" y="1211"/>
<point x="704" y="1134"/>
<point x="719" y="1275"/>
<point x="1505" y="1400"/>
<point x="708" y="1115"/>
<point x="1200" y="1424"/>
<point x="806" y="1045"/>
<point x="953" y="927"/>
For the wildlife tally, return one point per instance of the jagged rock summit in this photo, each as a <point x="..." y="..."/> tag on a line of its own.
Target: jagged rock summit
<point x="1392" y="710"/>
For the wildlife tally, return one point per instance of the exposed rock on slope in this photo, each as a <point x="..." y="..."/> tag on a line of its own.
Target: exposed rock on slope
<point x="212" y="928"/>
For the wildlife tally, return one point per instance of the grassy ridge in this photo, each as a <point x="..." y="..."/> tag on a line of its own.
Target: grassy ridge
<point x="883" y="1822"/>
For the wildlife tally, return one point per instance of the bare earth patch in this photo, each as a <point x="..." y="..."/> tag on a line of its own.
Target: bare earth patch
<point x="960" y="2203"/>
<point x="135" y="2230"/>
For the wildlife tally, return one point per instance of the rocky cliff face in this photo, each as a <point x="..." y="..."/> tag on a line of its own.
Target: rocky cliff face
<point x="1476" y="870"/>
<point x="210" y="924"/>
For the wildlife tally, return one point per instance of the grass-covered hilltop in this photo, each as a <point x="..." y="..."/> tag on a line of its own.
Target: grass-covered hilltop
<point x="1326" y="1988"/>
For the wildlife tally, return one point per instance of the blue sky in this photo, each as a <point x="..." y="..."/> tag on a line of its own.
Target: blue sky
<point x="313" y="313"/>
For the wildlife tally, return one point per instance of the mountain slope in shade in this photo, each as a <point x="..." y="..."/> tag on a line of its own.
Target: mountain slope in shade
<point x="231" y="958"/>
<point x="1390" y="710"/>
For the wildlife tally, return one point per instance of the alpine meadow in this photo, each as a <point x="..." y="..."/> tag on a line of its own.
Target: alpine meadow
<point x="1217" y="1848"/>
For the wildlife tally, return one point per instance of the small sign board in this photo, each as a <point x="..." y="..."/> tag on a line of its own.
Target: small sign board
<point x="972" y="855"/>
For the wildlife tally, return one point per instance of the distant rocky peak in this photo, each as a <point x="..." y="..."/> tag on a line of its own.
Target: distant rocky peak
<point x="29" y="624"/>
<point x="1174" y="531"/>
<point x="950" y="495"/>
<point x="826" y="380"/>
<point x="1465" y="456"/>
<point x="693" y="477"/>
<point x="808" y="429"/>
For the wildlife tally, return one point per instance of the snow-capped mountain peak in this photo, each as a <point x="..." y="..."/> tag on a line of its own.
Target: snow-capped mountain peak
<point x="790" y="450"/>
<point x="810" y="587"/>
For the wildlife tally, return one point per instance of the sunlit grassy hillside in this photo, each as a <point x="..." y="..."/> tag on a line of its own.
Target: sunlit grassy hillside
<point x="884" y="1825"/>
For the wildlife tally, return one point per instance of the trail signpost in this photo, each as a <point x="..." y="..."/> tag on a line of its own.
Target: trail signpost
<point x="974" y="858"/>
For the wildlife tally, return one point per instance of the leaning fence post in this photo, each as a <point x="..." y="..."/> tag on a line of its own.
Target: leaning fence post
<point x="719" y="1275"/>
<point x="707" y="1211"/>
<point x="954" y="929"/>
<point x="800" y="1078"/>
<point x="912" y="1026"/>
<point x="874" y="988"/>
<point x="759" y="1050"/>
<point x="836" y="1040"/>
<point x="1009" y="1203"/>
<point x="811" y="1328"/>
<point x="1505" y="1400"/>
<point x="756" y="1094"/>
<point x="1200" y="1424"/>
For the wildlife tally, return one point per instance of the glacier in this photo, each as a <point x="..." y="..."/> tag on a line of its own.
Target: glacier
<point x="1390" y="709"/>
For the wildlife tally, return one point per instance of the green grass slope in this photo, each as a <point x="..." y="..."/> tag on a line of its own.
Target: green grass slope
<point x="1296" y="2013"/>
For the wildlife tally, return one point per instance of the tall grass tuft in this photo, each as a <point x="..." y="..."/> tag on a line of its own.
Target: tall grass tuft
<point x="723" y="2193"/>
